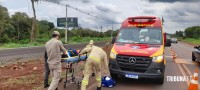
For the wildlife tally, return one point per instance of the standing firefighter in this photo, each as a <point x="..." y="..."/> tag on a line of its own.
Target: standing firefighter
<point x="94" y="61"/>
<point x="53" y="48"/>
<point x="91" y="43"/>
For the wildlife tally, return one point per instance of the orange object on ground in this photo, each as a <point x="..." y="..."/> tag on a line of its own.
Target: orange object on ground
<point x="194" y="82"/>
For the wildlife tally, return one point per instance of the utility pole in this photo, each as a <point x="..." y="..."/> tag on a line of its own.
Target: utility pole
<point x="101" y="28"/>
<point x="66" y="27"/>
<point x="112" y="31"/>
<point x="18" y="28"/>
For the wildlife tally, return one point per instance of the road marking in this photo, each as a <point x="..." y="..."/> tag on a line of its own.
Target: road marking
<point x="168" y="56"/>
<point x="183" y="73"/>
<point x="184" y="61"/>
<point x="187" y="69"/>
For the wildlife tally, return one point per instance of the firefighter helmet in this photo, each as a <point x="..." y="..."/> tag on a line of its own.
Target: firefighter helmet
<point x="107" y="82"/>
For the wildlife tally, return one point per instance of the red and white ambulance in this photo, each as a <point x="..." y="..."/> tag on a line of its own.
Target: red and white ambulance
<point x="138" y="49"/>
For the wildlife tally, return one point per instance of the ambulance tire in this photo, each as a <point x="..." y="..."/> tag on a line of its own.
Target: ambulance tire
<point x="160" y="80"/>
<point x="115" y="76"/>
<point x="193" y="57"/>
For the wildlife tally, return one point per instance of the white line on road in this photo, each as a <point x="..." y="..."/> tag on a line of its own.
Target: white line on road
<point x="183" y="73"/>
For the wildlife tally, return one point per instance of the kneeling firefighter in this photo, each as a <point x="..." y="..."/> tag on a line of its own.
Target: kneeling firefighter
<point x="94" y="61"/>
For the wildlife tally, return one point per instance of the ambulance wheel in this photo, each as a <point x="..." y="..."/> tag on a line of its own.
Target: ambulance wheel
<point x="115" y="76"/>
<point x="193" y="57"/>
<point x="160" y="81"/>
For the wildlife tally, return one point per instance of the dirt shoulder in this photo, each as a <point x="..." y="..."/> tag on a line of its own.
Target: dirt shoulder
<point x="22" y="76"/>
<point x="27" y="75"/>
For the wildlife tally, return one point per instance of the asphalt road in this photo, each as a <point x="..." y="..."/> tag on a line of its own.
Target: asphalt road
<point x="181" y="66"/>
<point x="17" y="54"/>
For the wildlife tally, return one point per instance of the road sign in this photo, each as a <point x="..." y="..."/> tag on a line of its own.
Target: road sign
<point x="71" y="22"/>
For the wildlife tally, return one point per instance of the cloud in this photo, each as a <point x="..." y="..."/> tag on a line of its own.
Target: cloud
<point x="55" y="1"/>
<point x="149" y="11"/>
<point x="107" y="8"/>
<point x="177" y="15"/>
<point x="13" y="11"/>
<point x="66" y="1"/>
<point x="106" y="11"/>
<point x="172" y="1"/>
<point x="180" y="13"/>
<point x="86" y="1"/>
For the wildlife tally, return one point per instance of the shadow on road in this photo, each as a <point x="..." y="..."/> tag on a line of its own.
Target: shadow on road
<point x="128" y="81"/>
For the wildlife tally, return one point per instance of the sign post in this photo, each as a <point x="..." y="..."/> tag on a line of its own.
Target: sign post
<point x="66" y="27"/>
<point x="67" y="22"/>
<point x="112" y="31"/>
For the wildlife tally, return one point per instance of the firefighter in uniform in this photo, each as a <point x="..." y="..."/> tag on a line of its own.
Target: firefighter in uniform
<point x="53" y="48"/>
<point x="94" y="61"/>
<point x="91" y="43"/>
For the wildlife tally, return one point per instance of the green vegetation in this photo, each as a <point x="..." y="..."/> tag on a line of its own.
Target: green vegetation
<point x="193" y="32"/>
<point x="192" y="41"/>
<point x="192" y="35"/>
<point x="41" y="42"/>
<point x="15" y="45"/>
<point x="87" y="39"/>
<point x="15" y="31"/>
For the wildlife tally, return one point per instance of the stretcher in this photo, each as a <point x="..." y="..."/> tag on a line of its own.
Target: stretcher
<point x="72" y="62"/>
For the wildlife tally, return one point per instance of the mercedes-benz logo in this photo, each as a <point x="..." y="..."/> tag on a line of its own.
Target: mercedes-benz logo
<point x="132" y="60"/>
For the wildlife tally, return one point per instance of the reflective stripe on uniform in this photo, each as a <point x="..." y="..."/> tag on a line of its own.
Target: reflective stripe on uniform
<point x="95" y="58"/>
<point x="84" y="82"/>
<point x="98" y="79"/>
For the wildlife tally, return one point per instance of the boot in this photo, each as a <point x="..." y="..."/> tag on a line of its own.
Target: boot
<point x="60" y="80"/>
<point x="46" y="85"/>
<point x="93" y="74"/>
<point x="98" y="88"/>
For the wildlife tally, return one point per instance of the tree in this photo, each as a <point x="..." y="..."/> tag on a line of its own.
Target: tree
<point x="17" y="28"/>
<point x="44" y="27"/>
<point x="33" y="31"/>
<point x="22" y="24"/>
<point x="6" y="28"/>
<point x="193" y="32"/>
<point x="179" y="34"/>
<point x="4" y="17"/>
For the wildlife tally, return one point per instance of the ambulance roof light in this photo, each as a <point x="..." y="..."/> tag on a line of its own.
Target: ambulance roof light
<point x="142" y="18"/>
<point x="132" y="19"/>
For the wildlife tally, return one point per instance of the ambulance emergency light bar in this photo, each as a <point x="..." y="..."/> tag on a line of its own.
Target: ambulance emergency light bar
<point x="133" y="19"/>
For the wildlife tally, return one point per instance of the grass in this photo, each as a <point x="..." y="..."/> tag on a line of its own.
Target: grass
<point x="192" y="41"/>
<point x="40" y="42"/>
<point x="75" y="40"/>
<point x="15" y="45"/>
<point x="23" y="80"/>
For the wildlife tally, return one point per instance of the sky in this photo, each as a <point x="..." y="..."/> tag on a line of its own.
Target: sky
<point x="178" y="14"/>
